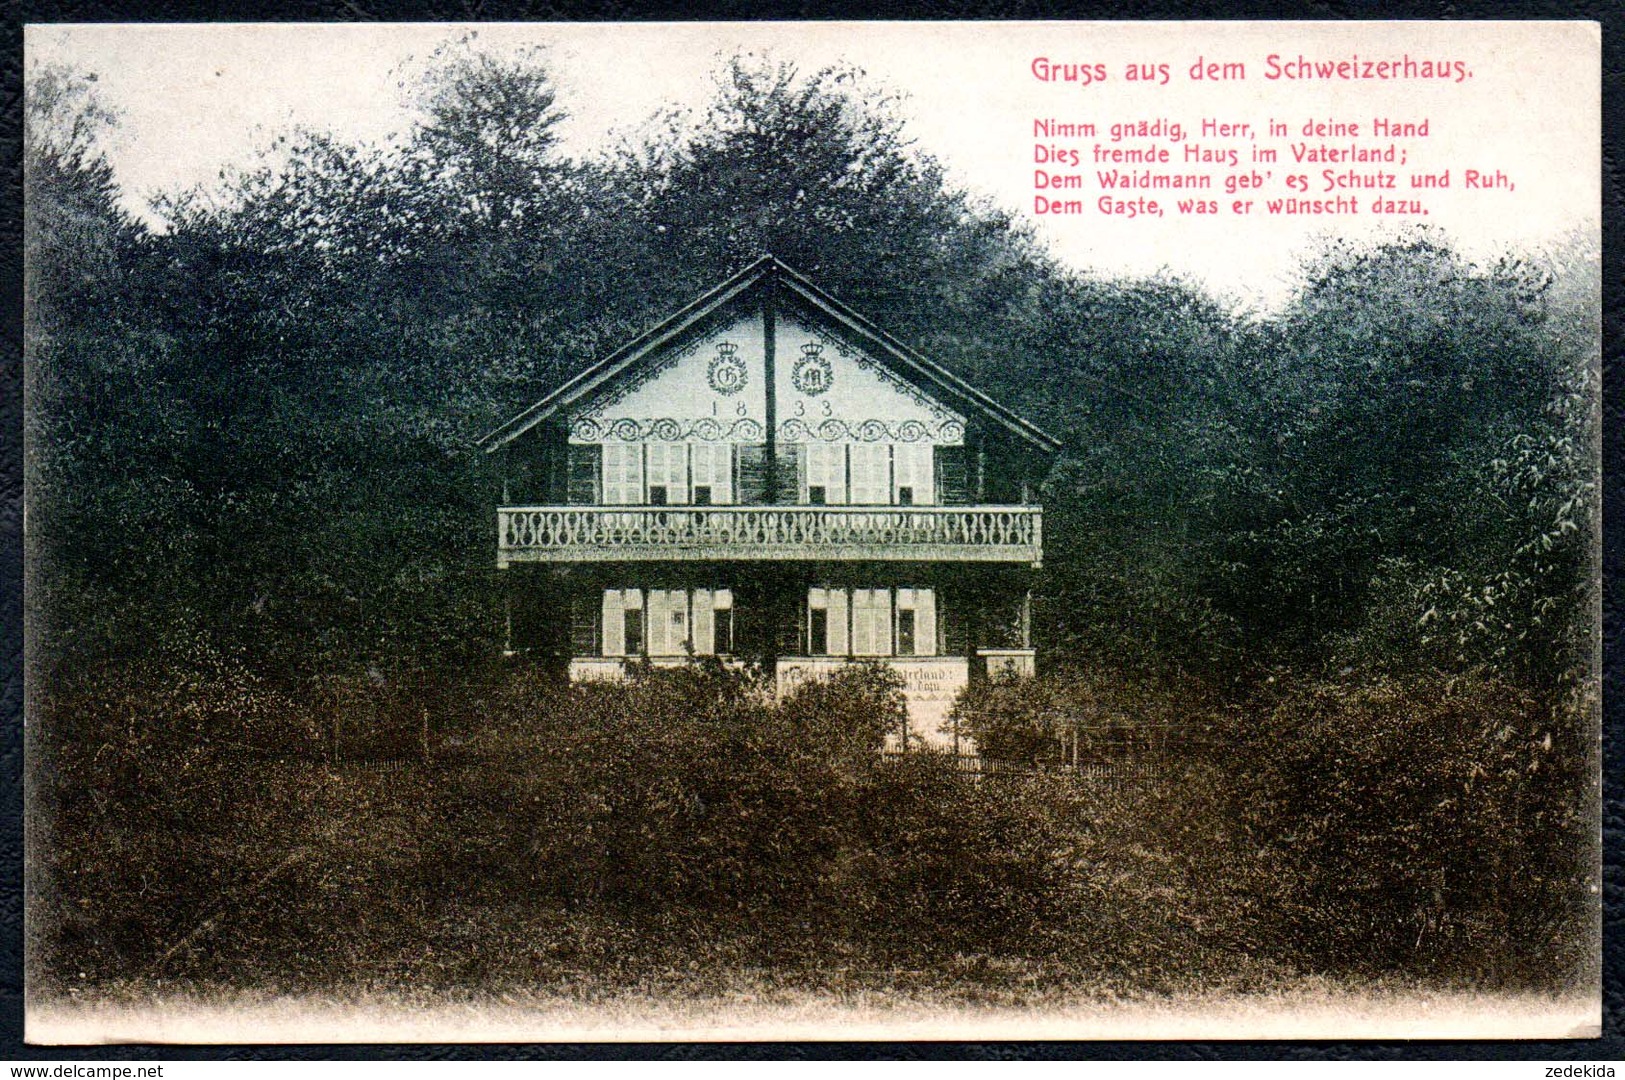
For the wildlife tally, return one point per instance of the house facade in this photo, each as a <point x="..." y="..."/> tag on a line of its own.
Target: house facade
<point x="768" y="477"/>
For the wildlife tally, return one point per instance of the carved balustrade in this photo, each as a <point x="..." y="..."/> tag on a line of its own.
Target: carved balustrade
<point x="1010" y="534"/>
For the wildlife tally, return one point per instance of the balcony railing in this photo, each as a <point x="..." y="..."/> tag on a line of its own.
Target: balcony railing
<point x="1003" y="534"/>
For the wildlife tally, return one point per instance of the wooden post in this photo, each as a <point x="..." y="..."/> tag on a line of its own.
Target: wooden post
<point x="769" y="390"/>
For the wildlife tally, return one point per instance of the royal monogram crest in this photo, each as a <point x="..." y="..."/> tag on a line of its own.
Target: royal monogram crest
<point x="726" y="372"/>
<point x="812" y="373"/>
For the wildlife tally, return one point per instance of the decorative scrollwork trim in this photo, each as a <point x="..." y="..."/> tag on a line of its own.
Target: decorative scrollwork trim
<point x="946" y="432"/>
<point x="587" y="429"/>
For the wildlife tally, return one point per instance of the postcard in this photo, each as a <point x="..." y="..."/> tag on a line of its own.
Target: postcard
<point x="764" y="531"/>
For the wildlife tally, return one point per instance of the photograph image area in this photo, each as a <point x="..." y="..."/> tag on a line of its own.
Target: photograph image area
<point x="812" y="531"/>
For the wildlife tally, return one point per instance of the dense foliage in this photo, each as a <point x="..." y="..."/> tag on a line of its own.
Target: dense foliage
<point x="683" y="813"/>
<point x="694" y="792"/>
<point x="1364" y="524"/>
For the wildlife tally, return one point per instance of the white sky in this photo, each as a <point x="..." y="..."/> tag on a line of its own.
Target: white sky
<point x="196" y="99"/>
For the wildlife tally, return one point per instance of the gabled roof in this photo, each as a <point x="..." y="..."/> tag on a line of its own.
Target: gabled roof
<point x="645" y="348"/>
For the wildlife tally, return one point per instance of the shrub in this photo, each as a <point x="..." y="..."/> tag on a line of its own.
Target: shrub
<point x="1428" y="823"/>
<point x="1066" y="715"/>
<point x="691" y="794"/>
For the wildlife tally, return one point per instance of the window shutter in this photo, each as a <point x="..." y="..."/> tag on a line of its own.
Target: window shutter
<point x="884" y="616"/>
<point x="581" y="485"/>
<point x="953" y="479"/>
<point x="838" y="645"/>
<point x="925" y="622"/>
<point x="583" y="627"/>
<point x="666" y="622"/>
<point x="623" y="474"/>
<point x="752" y="462"/>
<point x="912" y="469"/>
<point x="825" y="466"/>
<point x="614" y="625"/>
<point x="792" y="470"/>
<point x="705" y="622"/>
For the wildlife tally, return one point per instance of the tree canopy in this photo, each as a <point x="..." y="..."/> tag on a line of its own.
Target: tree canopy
<point x="255" y="422"/>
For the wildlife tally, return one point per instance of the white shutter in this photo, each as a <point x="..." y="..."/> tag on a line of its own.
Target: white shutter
<point x="614" y="624"/>
<point x="826" y="468"/>
<point x="838" y="645"/>
<point x="925" y="622"/>
<point x="705" y="623"/>
<point x="623" y="474"/>
<point x="871" y="473"/>
<point x="911" y="468"/>
<point x="871" y="622"/>
<point x="863" y="632"/>
<point x="654" y="623"/>
<point x="883" y="622"/>
<point x="713" y="465"/>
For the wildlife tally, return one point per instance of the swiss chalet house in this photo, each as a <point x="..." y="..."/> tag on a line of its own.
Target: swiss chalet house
<point x="768" y="476"/>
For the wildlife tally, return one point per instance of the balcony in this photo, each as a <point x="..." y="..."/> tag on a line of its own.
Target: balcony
<point x="574" y="534"/>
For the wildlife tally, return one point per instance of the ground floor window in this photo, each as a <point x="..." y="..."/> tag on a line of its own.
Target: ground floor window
<point x="667" y="622"/>
<point x="871" y="622"/>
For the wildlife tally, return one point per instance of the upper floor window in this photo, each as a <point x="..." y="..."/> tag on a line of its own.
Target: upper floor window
<point x="913" y="480"/>
<point x="623" y="474"/>
<point x="667" y="468"/>
<point x="825" y="483"/>
<point x="711" y="471"/>
<point x="719" y="474"/>
<point x="666" y="474"/>
<point x="869" y="465"/>
<point x="864" y="474"/>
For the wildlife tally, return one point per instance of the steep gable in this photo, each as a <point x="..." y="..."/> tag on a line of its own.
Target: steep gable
<point x="702" y="374"/>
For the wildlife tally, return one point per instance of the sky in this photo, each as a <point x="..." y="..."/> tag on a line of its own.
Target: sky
<point x="1519" y="99"/>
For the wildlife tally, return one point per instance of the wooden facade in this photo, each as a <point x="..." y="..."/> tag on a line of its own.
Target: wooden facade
<point x="769" y="477"/>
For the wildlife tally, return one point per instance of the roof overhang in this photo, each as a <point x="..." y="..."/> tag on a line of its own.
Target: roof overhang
<point x="769" y="272"/>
